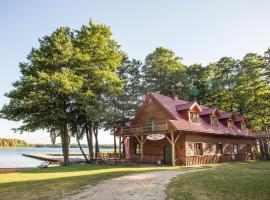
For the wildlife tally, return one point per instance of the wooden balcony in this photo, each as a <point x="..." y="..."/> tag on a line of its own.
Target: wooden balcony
<point x="157" y="126"/>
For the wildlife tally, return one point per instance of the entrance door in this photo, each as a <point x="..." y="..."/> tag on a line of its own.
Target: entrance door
<point x="168" y="154"/>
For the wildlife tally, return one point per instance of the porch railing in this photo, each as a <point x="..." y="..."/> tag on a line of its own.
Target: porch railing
<point x="157" y="126"/>
<point x="149" y="159"/>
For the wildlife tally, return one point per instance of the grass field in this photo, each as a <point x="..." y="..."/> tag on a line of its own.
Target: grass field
<point x="237" y="181"/>
<point x="54" y="182"/>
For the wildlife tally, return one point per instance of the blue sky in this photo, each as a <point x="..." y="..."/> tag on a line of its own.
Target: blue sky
<point x="197" y="31"/>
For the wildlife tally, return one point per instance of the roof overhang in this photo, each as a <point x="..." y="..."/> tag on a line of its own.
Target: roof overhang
<point x="192" y="106"/>
<point x="211" y="111"/>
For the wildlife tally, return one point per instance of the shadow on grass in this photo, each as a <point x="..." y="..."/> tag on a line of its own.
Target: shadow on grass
<point x="70" y="168"/>
<point x="51" y="188"/>
<point x="54" y="188"/>
<point x="234" y="181"/>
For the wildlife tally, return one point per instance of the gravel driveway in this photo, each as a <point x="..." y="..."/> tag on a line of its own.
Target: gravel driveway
<point x="142" y="186"/>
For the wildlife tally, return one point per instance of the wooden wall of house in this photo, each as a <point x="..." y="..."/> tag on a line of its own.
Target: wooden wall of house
<point x="151" y="110"/>
<point x="184" y="148"/>
<point x="209" y="144"/>
<point x="156" y="148"/>
<point x="209" y="149"/>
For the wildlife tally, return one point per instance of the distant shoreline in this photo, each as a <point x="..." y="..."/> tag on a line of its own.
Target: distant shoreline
<point x="45" y="146"/>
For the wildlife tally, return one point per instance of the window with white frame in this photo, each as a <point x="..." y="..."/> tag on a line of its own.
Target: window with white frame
<point x="235" y="148"/>
<point x="198" y="150"/>
<point x="214" y="120"/>
<point x="194" y="117"/>
<point x="230" y="123"/>
<point x="243" y="126"/>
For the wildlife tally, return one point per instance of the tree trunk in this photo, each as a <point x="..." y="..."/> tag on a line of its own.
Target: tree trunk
<point x="114" y="142"/>
<point x="84" y="155"/>
<point x="90" y="144"/>
<point x="53" y="137"/>
<point x="96" y="138"/>
<point x="64" y="138"/>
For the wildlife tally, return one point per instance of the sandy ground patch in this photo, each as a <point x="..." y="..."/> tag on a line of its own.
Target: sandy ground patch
<point x="144" y="186"/>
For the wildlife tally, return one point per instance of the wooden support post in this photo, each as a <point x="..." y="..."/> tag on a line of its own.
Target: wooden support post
<point x="173" y="148"/>
<point x="123" y="147"/>
<point x="119" y="145"/>
<point x="142" y="148"/>
<point x="268" y="145"/>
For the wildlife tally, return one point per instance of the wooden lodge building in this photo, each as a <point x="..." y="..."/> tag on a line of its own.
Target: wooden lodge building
<point x="168" y="130"/>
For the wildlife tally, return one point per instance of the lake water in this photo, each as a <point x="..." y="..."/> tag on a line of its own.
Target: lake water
<point x="13" y="158"/>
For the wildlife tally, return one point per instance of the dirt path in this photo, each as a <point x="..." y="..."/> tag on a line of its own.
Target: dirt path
<point x="144" y="186"/>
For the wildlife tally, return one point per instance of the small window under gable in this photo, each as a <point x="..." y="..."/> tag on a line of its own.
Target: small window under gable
<point x="230" y="123"/>
<point x="148" y="124"/>
<point x="214" y="120"/>
<point x="194" y="117"/>
<point x="192" y="109"/>
<point x="243" y="126"/>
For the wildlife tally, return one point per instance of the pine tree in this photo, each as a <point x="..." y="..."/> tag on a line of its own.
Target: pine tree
<point x="222" y="80"/>
<point x="198" y="83"/>
<point x="43" y="96"/>
<point x="164" y="73"/>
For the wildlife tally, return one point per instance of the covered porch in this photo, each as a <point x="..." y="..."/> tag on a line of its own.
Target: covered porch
<point x="263" y="145"/>
<point x="158" y="132"/>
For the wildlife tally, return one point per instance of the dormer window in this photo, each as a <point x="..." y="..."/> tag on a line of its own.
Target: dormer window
<point x="230" y="123"/>
<point x="214" y="121"/>
<point x="243" y="126"/>
<point x="193" y="117"/>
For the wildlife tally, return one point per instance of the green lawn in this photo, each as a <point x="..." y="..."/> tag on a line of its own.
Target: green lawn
<point x="245" y="180"/>
<point x="54" y="182"/>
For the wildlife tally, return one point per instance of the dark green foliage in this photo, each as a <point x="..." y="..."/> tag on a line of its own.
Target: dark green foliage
<point x="77" y="82"/>
<point x="221" y="82"/>
<point x="66" y="83"/>
<point x="125" y="105"/>
<point x="164" y="72"/>
<point x="238" y="86"/>
<point x="198" y="83"/>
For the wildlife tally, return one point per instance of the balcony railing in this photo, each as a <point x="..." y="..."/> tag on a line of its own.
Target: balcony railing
<point x="157" y="126"/>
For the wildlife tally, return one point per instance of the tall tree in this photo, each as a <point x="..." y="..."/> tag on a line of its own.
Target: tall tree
<point x="198" y="83"/>
<point x="267" y="66"/>
<point x="100" y="57"/>
<point x="252" y="92"/>
<point x="123" y="108"/>
<point x="164" y="72"/>
<point x="42" y="97"/>
<point x="222" y="80"/>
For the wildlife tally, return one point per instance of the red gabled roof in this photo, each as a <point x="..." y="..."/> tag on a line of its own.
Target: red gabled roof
<point x="210" y="111"/>
<point x="185" y="106"/>
<point x="240" y="119"/>
<point x="188" y="106"/>
<point x="171" y="106"/>
<point x="227" y="115"/>
<point x="168" y="103"/>
<point x="203" y="127"/>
